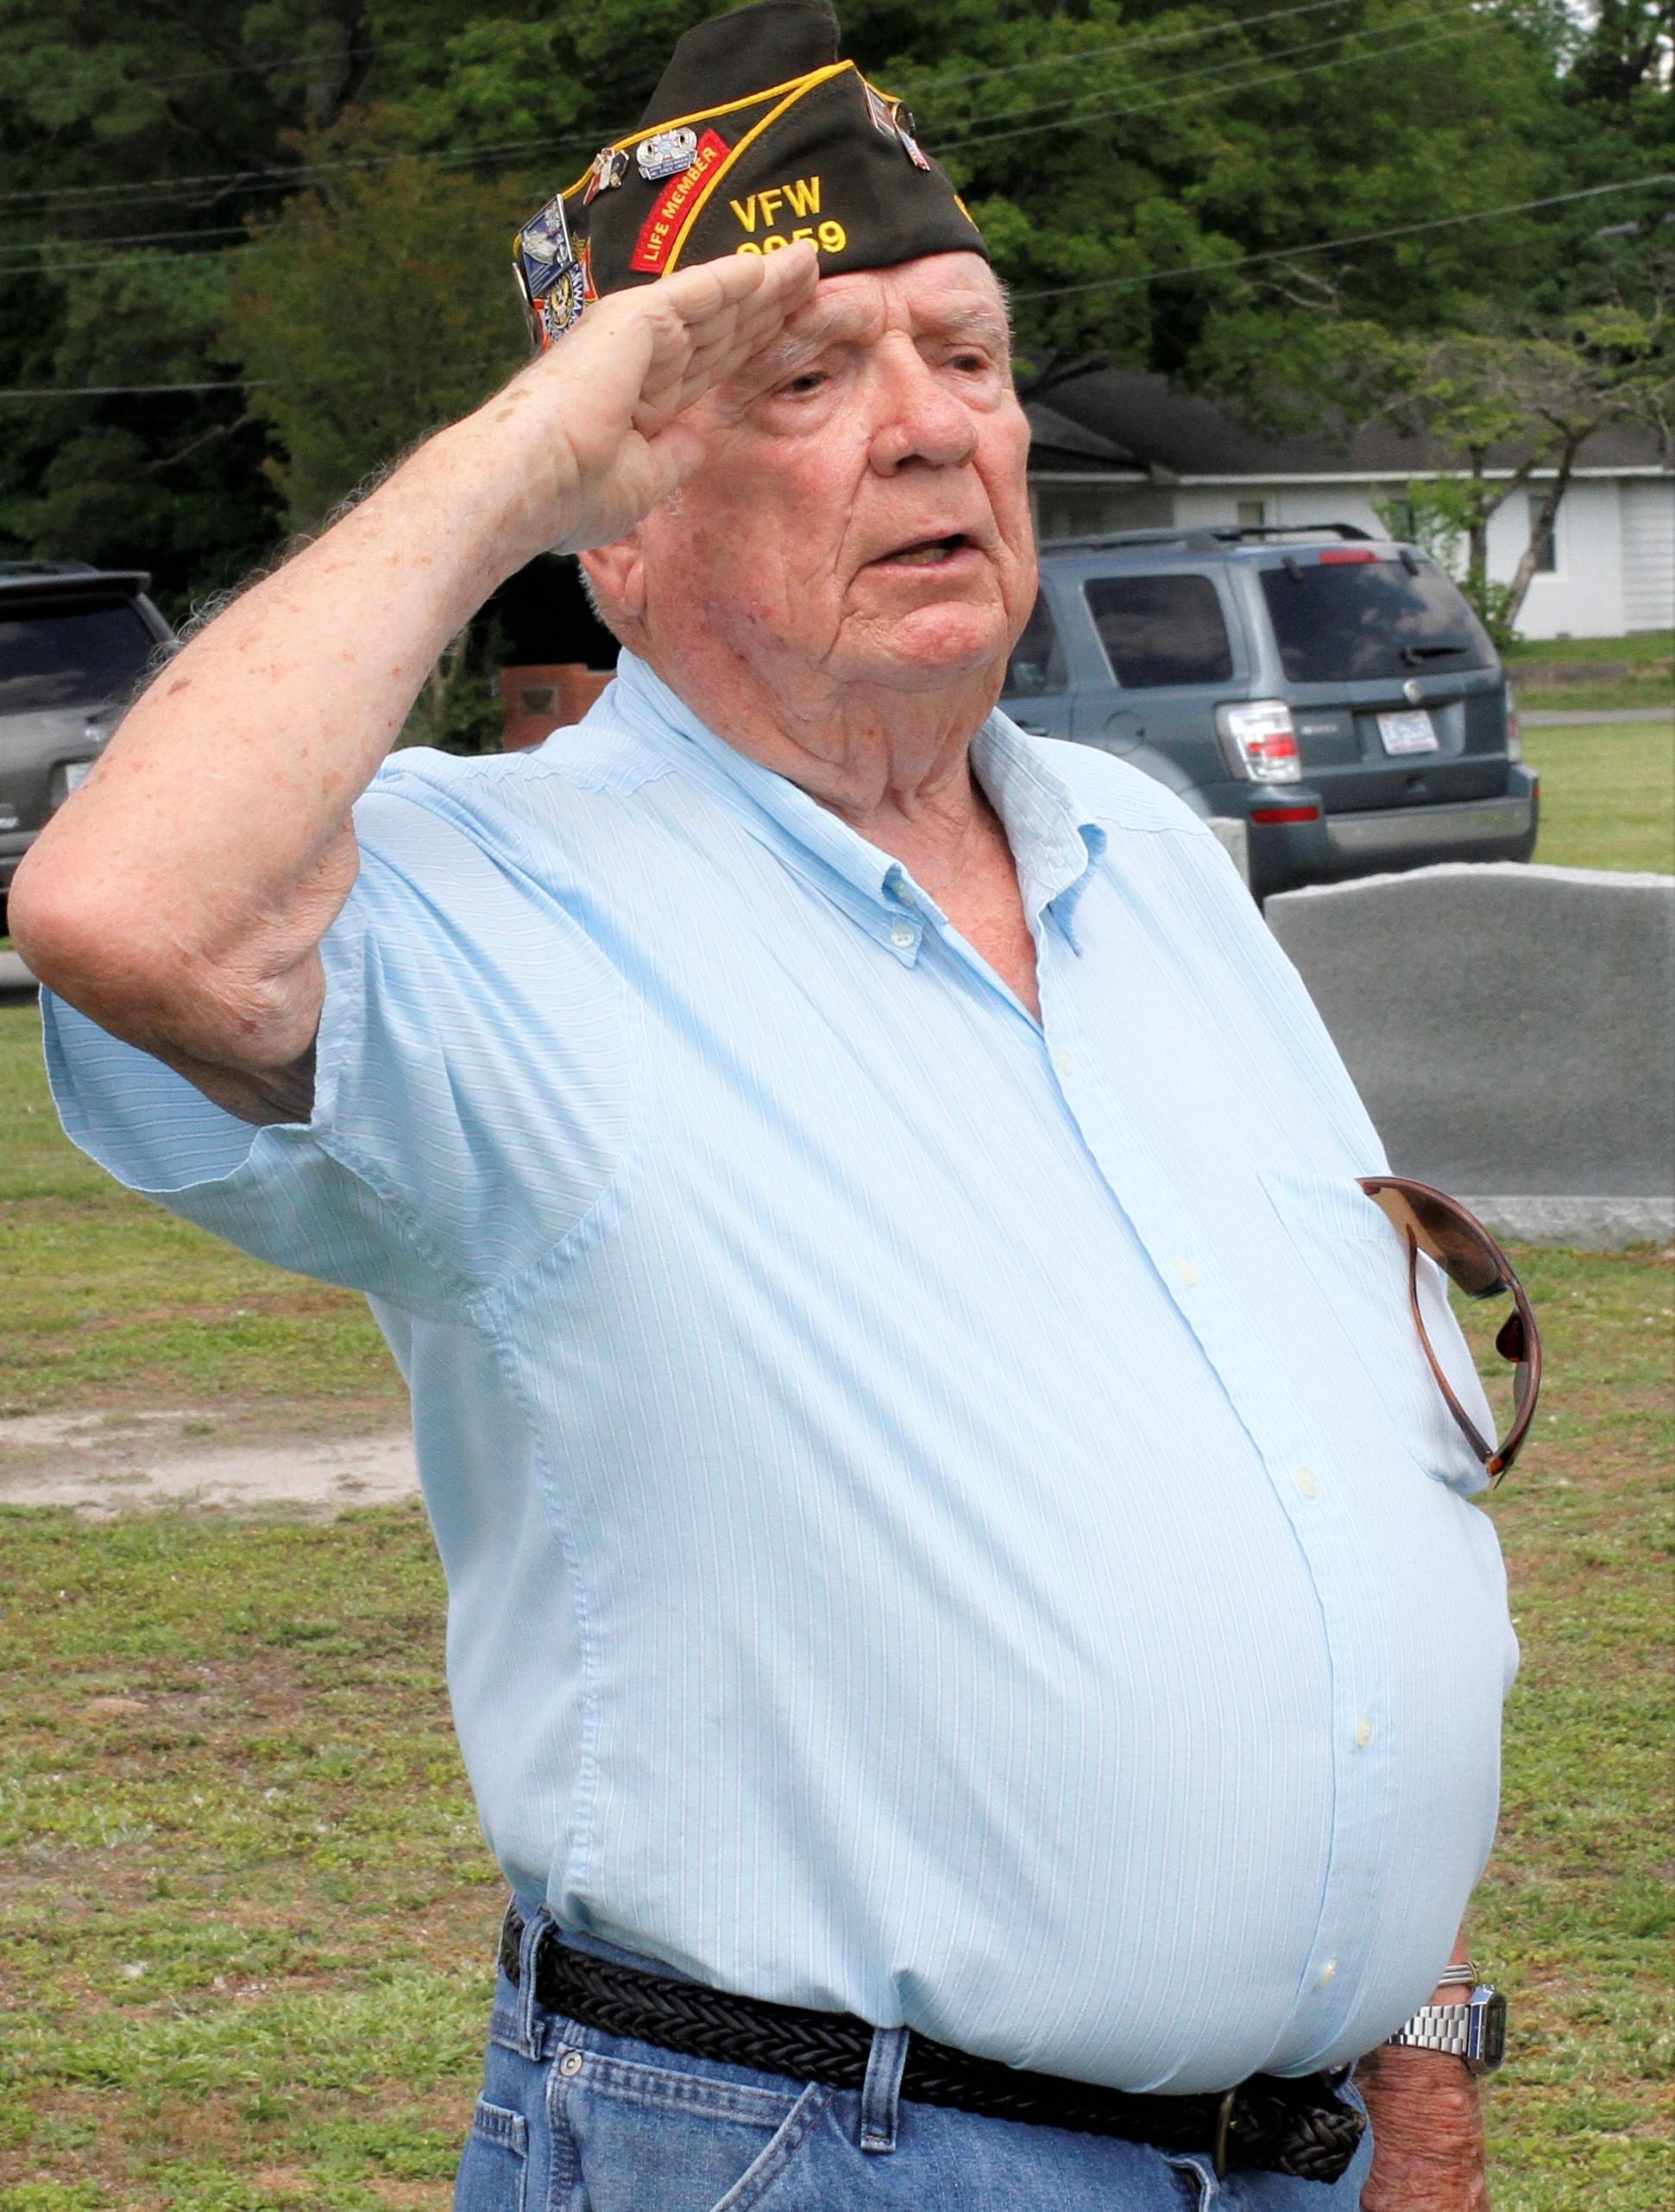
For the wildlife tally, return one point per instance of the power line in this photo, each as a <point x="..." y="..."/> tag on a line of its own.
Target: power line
<point x="143" y="238"/>
<point x="128" y="391"/>
<point x="976" y="135"/>
<point x="227" y="69"/>
<point x="975" y="132"/>
<point x="1050" y="292"/>
<point x="1102" y="112"/>
<point x="1243" y="84"/>
<point x="296" y="173"/>
<point x="1069" y="57"/>
<point x="1337" y="245"/>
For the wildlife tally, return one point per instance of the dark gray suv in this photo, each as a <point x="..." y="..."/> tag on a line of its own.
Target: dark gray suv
<point x="74" y="642"/>
<point x="1327" y="700"/>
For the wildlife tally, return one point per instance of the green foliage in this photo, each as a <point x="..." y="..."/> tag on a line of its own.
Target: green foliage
<point x="459" y="708"/>
<point x="369" y="316"/>
<point x="1102" y="145"/>
<point x="1527" y="398"/>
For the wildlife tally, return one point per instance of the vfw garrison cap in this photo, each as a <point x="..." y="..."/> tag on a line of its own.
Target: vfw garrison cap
<point x="758" y="136"/>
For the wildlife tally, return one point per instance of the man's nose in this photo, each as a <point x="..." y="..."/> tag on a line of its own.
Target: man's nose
<point x="918" y="419"/>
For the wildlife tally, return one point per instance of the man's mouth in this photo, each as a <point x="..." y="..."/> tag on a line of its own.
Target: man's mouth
<point x="925" y="553"/>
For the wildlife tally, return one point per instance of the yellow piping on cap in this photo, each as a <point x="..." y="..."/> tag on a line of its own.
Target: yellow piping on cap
<point x="799" y="91"/>
<point x="707" y="115"/>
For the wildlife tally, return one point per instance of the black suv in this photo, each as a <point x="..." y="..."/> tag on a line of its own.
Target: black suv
<point x="74" y="643"/>
<point x="1327" y="700"/>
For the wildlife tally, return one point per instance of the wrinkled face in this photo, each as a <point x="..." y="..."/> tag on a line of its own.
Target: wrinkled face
<point x="861" y="516"/>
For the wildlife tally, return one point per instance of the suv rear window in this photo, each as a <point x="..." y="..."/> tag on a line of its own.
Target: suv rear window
<point x="1160" y="629"/>
<point x="1340" y="621"/>
<point x="69" y="656"/>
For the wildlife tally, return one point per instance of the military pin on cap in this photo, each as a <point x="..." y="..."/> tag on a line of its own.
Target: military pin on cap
<point x="610" y="165"/>
<point x="549" y="275"/>
<point x="916" y="153"/>
<point x="882" y="119"/>
<point x="666" y="153"/>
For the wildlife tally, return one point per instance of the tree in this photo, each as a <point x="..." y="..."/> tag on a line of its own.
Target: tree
<point x="1523" y="404"/>
<point x="367" y="316"/>
<point x="1148" y="173"/>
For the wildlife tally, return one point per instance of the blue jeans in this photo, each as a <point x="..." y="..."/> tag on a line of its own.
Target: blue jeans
<point x="571" y="2120"/>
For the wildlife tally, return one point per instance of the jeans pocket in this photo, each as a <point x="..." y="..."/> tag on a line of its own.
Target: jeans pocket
<point x="495" y="2166"/>
<point x="774" y="2159"/>
<point x="651" y="2138"/>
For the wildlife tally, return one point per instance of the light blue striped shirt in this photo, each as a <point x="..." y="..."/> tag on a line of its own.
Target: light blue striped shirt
<point x="945" y="1517"/>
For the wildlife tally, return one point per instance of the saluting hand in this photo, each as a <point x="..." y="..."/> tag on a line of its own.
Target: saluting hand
<point x="593" y="426"/>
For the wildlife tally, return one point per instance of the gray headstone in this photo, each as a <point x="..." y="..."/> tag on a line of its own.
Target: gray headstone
<point x="1512" y="1030"/>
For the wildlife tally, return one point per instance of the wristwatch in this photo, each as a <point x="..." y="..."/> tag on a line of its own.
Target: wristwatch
<point x="1474" y="2032"/>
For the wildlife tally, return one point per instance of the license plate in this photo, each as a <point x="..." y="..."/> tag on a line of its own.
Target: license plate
<point x="1408" y="733"/>
<point x="75" y="771"/>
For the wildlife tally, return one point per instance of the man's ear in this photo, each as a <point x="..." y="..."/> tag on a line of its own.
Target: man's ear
<point x="617" y="574"/>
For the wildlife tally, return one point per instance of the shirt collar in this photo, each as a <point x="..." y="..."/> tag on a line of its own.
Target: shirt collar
<point x="1055" y="853"/>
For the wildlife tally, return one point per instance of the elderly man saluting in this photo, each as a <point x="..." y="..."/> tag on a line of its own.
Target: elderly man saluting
<point x="966" y="1625"/>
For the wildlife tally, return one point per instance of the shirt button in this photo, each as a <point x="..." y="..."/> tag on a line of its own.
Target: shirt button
<point x="1304" y="1478"/>
<point x="1363" y="1733"/>
<point x="1187" y="1271"/>
<point x="570" y="2063"/>
<point x="1065" y="1064"/>
<point x="1327" y="1971"/>
<point x="902" y="934"/>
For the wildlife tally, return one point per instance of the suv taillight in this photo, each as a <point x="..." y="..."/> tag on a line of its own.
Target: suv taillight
<point x="1259" y="741"/>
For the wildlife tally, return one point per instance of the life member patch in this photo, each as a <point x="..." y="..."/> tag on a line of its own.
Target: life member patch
<point x="665" y="226"/>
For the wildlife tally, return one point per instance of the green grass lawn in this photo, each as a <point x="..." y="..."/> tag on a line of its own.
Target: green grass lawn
<point x="105" y="1299"/>
<point x="1608" y="795"/>
<point x="248" y="1916"/>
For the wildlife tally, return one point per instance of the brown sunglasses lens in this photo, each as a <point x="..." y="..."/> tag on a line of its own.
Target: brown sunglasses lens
<point x="1467" y="1254"/>
<point x="1440" y="1233"/>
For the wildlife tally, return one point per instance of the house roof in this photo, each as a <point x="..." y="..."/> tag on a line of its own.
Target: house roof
<point x="1128" y="421"/>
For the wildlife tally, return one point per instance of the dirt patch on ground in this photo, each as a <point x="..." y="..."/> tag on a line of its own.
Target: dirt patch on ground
<point x="116" y="1459"/>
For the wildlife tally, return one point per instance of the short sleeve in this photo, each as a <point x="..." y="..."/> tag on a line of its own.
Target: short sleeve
<point x="474" y="1089"/>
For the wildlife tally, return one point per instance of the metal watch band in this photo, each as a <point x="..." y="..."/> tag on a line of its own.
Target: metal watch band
<point x="1474" y="2032"/>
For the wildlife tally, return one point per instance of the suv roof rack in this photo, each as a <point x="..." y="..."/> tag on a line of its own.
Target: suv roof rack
<point x="1206" y="537"/>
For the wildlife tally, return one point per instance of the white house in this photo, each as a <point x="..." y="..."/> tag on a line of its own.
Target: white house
<point x="1117" y="450"/>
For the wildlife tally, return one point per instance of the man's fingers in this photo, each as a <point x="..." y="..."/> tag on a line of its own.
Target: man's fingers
<point x="768" y="285"/>
<point x="726" y="310"/>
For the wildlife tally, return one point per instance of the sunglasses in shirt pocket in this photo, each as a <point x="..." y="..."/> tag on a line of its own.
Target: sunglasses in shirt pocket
<point x="1357" y="1324"/>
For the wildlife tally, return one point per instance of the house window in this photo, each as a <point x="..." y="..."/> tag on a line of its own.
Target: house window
<point x="1251" y="513"/>
<point x="1544" y="528"/>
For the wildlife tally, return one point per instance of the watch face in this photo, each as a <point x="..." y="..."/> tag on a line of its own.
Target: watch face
<point x="1489" y="2030"/>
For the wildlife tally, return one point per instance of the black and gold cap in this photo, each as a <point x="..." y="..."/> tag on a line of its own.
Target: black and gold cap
<point x="757" y="136"/>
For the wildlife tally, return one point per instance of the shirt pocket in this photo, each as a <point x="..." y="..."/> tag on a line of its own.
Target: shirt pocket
<point x="1361" y="1348"/>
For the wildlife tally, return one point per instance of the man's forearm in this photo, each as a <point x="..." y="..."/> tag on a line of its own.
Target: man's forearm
<point x="213" y="839"/>
<point x="181" y="895"/>
<point x="1427" y="2114"/>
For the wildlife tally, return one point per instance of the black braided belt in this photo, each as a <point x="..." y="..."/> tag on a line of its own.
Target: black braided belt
<point x="1276" y="2125"/>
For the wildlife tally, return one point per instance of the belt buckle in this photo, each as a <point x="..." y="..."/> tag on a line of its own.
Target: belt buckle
<point x="1223" y="2125"/>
